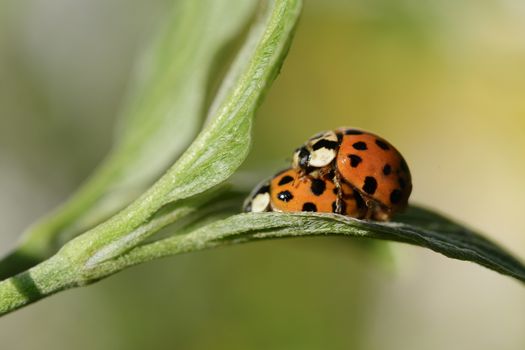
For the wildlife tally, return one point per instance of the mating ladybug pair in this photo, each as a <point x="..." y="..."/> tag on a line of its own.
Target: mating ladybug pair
<point x="346" y="171"/>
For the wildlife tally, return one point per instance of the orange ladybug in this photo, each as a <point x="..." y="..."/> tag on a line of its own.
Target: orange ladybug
<point x="362" y="162"/>
<point x="293" y="191"/>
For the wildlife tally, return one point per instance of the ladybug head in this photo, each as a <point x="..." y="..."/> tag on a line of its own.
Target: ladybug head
<point x="301" y="158"/>
<point x="317" y="152"/>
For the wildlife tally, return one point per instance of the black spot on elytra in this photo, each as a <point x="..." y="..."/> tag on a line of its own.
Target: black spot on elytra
<point x="285" y="179"/>
<point x="309" y="206"/>
<point x="359" y="201"/>
<point x="370" y="185"/>
<point x="360" y="146"/>
<point x="382" y="145"/>
<point x="318" y="186"/>
<point x="324" y="143"/>
<point x="402" y="183"/>
<point x="354" y="160"/>
<point x="335" y="191"/>
<point x="353" y="132"/>
<point x="334" y="207"/>
<point x="395" y="196"/>
<point x="285" y="196"/>
<point x="387" y="169"/>
<point x="331" y="174"/>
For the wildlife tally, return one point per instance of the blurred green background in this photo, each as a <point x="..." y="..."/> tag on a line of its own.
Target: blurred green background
<point x="444" y="81"/>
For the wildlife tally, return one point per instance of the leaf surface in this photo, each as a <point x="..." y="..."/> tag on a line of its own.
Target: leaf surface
<point x="417" y="226"/>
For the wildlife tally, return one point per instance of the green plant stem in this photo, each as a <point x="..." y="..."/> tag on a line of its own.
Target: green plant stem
<point x="47" y="278"/>
<point x="63" y="271"/>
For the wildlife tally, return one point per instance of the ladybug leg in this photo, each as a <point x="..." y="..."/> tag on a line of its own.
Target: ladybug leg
<point x="326" y="171"/>
<point x="313" y="172"/>
<point x="340" y="194"/>
<point x="372" y="207"/>
<point x="369" y="211"/>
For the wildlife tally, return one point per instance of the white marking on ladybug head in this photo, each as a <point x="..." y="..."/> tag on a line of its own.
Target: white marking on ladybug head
<point x="260" y="202"/>
<point x="322" y="157"/>
<point x="323" y="149"/>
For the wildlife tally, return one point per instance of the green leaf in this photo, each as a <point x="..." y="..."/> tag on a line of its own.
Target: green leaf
<point x="417" y="226"/>
<point x="192" y="184"/>
<point x="163" y="112"/>
<point x="224" y="144"/>
<point x="221" y="146"/>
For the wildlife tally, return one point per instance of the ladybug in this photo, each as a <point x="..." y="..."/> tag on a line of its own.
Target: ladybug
<point x="362" y="162"/>
<point x="292" y="191"/>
